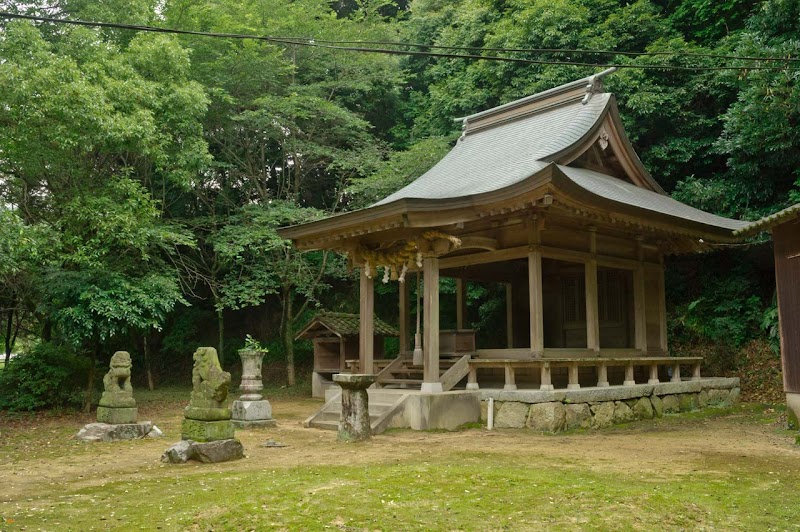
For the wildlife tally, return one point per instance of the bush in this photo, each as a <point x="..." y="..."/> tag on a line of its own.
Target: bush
<point x="49" y="376"/>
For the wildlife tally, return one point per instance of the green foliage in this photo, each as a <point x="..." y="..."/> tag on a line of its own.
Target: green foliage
<point x="728" y="312"/>
<point x="400" y="169"/>
<point x="49" y="376"/>
<point x="251" y="344"/>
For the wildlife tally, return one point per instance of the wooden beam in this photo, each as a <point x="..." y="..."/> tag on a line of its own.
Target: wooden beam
<point x="405" y="316"/>
<point x="366" y="324"/>
<point x="461" y="303"/>
<point x="431" y="382"/>
<point x="509" y="316"/>
<point x="548" y="252"/>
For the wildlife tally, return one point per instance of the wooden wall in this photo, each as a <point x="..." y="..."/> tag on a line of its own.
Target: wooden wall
<point x="787" y="275"/>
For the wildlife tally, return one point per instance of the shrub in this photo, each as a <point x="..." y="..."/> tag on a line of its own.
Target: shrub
<point x="48" y="376"/>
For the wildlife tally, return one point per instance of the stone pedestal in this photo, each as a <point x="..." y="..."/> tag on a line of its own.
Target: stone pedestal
<point x="354" y="424"/>
<point x="252" y="414"/>
<point x="114" y="416"/>
<point x="203" y="431"/>
<point x="251" y="410"/>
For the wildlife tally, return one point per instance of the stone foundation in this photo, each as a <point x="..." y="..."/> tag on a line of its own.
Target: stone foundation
<point x="115" y="416"/>
<point x="559" y="410"/>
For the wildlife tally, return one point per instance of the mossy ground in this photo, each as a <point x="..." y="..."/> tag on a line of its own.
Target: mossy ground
<point x="728" y="469"/>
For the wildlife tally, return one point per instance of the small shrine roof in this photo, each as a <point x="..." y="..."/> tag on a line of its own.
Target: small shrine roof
<point x="343" y="324"/>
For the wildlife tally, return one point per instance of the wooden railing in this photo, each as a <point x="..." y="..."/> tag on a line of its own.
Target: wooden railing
<point x="572" y="364"/>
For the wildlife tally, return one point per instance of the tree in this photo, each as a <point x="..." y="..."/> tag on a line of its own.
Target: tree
<point x="93" y="131"/>
<point x="264" y="264"/>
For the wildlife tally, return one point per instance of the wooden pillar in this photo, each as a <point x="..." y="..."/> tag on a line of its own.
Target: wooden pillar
<point x="430" y="337"/>
<point x="639" y="309"/>
<point x="592" y="318"/>
<point x="509" y="315"/>
<point x="590" y="280"/>
<point x="546" y="378"/>
<point x="602" y="376"/>
<point x="536" y="304"/>
<point x="662" y="311"/>
<point x="629" y="379"/>
<point x="653" y="374"/>
<point x="461" y="303"/>
<point x="366" y="324"/>
<point x="405" y="316"/>
<point x="787" y="278"/>
<point x="574" y="383"/>
<point x="511" y="380"/>
<point x="472" y="378"/>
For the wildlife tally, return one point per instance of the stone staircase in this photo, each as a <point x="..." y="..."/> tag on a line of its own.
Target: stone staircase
<point x="401" y="373"/>
<point x="383" y="406"/>
<point x="394" y="383"/>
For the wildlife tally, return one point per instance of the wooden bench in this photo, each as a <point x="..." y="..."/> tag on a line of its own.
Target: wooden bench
<point x="546" y="364"/>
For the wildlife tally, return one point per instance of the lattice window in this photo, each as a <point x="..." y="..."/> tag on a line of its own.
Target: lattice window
<point x="573" y="298"/>
<point x="611" y="296"/>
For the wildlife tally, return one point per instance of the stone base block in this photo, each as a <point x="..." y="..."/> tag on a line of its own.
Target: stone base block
<point x="115" y="416"/>
<point x="207" y="414"/>
<point x="117" y="432"/>
<point x="206" y="431"/>
<point x="251" y="410"/>
<point x="207" y="452"/>
<point x="257" y="424"/>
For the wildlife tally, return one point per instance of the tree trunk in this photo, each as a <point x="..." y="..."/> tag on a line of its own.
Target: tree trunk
<point x="148" y="369"/>
<point x="286" y="335"/>
<point x="47" y="330"/>
<point x="9" y="340"/>
<point x="221" y="332"/>
<point x="87" y="406"/>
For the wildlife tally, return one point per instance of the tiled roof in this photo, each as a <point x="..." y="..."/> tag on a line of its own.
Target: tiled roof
<point x="344" y="324"/>
<point x="496" y="157"/>
<point x="623" y="192"/>
<point x="768" y="222"/>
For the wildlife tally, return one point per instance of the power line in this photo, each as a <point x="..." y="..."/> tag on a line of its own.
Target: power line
<point x="308" y="42"/>
<point x="553" y="50"/>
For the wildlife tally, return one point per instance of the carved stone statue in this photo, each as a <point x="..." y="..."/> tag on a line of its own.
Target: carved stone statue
<point x="207" y="418"/>
<point x="117" y="405"/>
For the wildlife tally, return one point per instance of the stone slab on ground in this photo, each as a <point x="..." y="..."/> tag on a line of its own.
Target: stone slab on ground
<point x="207" y="452"/>
<point x="118" y="432"/>
<point x="116" y="415"/>
<point x="205" y="431"/>
<point x="214" y="452"/>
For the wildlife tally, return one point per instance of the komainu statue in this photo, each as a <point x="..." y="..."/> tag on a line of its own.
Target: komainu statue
<point x="209" y="388"/>
<point x="117" y="404"/>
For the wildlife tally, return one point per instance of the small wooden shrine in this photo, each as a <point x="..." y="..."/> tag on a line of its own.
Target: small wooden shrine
<point x="335" y="338"/>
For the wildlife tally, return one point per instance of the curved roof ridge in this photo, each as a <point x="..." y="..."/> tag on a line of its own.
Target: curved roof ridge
<point x="591" y="84"/>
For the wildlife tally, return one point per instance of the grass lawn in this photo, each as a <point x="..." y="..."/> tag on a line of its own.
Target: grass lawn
<point x="731" y="469"/>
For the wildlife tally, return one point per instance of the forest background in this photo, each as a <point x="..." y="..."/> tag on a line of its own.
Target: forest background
<point x="143" y="176"/>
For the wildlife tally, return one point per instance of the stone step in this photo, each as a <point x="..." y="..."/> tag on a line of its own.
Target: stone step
<point x="326" y="425"/>
<point x="401" y="381"/>
<point x="335" y="416"/>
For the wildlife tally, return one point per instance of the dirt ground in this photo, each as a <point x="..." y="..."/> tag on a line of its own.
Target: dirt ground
<point x="39" y="455"/>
